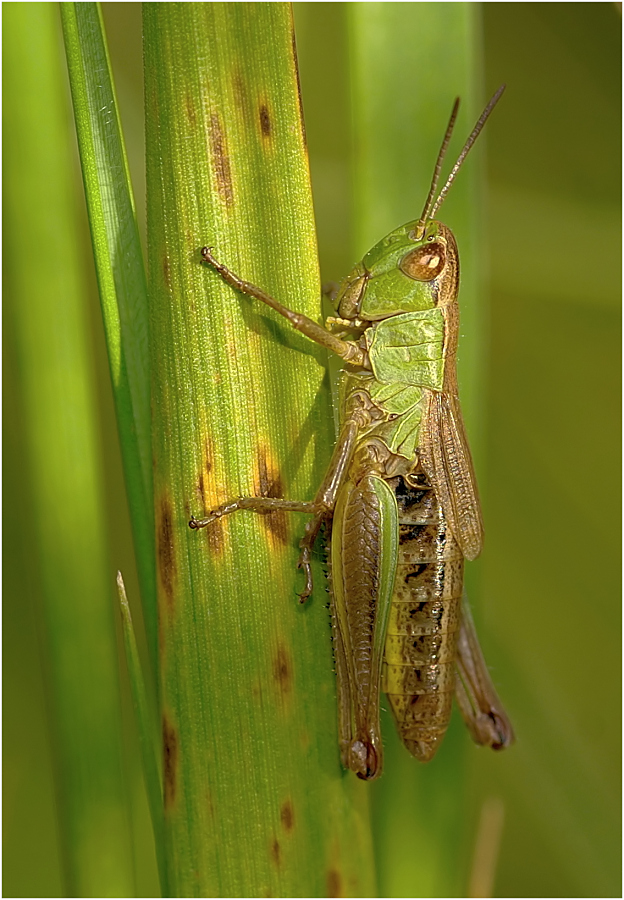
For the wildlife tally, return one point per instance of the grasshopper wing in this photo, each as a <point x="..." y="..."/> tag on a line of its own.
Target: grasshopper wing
<point x="447" y="461"/>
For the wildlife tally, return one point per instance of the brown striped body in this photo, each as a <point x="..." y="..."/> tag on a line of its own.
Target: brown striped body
<point x="421" y="641"/>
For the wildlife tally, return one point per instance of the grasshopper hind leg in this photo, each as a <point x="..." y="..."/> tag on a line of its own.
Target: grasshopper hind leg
<point x="476" y="696"/>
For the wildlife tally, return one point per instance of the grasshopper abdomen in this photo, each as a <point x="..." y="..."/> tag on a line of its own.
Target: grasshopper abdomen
<point x="421" y="640"/>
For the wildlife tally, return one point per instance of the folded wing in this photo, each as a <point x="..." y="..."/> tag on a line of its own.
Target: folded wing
<point x="446" y="458"/>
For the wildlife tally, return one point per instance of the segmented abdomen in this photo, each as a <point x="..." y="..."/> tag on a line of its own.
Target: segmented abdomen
<point x="421" y="641"/>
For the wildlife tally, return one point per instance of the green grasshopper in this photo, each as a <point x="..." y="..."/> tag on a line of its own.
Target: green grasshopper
<point x="399" y="498"/>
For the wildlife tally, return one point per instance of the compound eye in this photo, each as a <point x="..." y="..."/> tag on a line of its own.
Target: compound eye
<point x="424" y="263"/>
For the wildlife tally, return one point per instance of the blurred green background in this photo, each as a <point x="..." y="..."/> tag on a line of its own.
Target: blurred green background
<point x="550" y="476"/>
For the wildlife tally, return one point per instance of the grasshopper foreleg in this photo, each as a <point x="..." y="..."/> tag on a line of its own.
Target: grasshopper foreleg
<point x="347" y="350"/>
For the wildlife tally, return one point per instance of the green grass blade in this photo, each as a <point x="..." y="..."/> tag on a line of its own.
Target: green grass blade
<point x="145" y="724"/>
<point x="408" y="63"/>
<point x="120" y="272"/>
<point x="61" y="496"/>
<point x="255" y="800"/>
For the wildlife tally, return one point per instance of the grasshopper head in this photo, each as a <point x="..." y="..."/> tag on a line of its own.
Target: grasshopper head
<point x="415" y="267"/>
<point x="410" y="269"/>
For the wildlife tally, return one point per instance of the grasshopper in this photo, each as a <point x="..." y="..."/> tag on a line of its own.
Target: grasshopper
<point x="399" y="499"/>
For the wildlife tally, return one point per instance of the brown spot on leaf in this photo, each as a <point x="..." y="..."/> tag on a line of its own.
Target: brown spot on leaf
<point x="276" y="852"/>
<point x="334" y="884"/>
<point x="270" y="482"/>
<point x="266" y="125"/>
<point x="220" y="160"/>
<point x="213" y="533"/>
<point x="270" y="485"/>
<point x="170" y="761"/>
<point x="208" y="454"/>
<point x="240" y="92"/>
<point x="283" y="671"/>
<point x="167" y="568"/>
<point x="287" y="815"/>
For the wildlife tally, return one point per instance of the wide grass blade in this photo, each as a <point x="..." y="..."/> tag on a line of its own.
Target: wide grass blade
<point x="255" y="800"/>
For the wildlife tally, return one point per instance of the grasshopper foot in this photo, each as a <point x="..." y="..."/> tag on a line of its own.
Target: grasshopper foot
<point x="304" y="563"/>
<point x="196" y="524"/>
<point x="307" y="543"/>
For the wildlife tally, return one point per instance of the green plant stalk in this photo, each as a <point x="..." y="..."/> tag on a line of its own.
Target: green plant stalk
<point x="255" y="799"/>
<point x="120" y="273"/>
<point x="408" y="63"/>
<point x="46" y="319"/>
<point x="145" y="723"/>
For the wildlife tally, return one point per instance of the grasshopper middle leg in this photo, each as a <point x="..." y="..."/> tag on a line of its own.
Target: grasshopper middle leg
<point x="321" y="508"/>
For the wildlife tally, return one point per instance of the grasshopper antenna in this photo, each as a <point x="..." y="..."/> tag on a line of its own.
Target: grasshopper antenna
<point x="462" y="156"/>
<point x="426" y="213"/>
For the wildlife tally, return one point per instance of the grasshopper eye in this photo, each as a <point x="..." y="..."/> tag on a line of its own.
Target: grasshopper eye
<point x="424" y="263"/>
